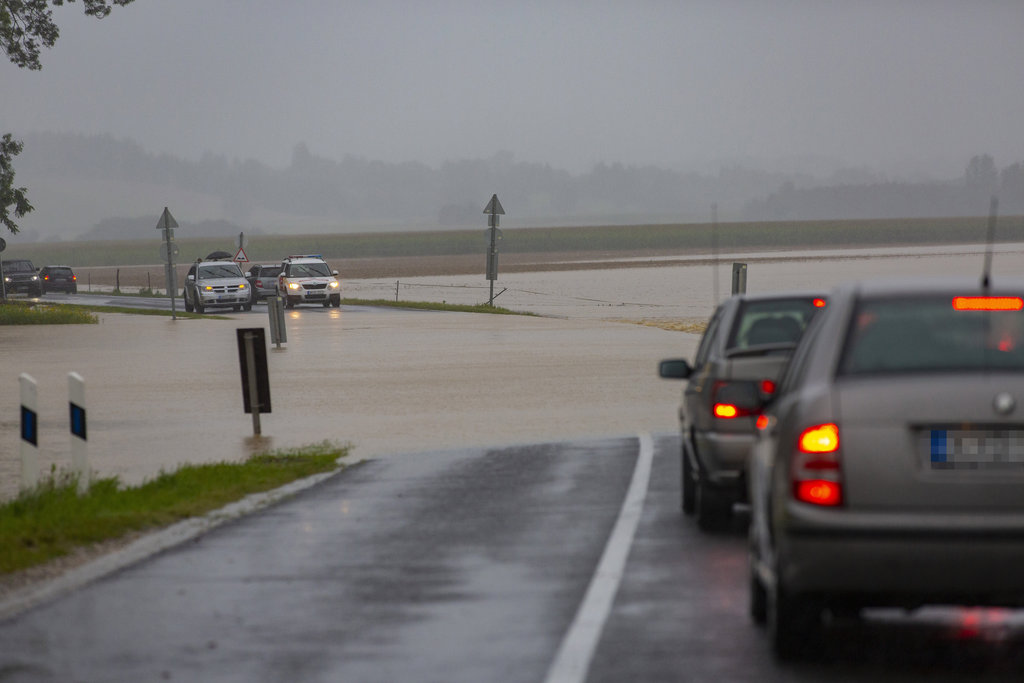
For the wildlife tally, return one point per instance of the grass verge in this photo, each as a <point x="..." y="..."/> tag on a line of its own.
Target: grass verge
<point x="25" y="313"/>
<point x="53" y="520"/>
<point x="432" y="306"/>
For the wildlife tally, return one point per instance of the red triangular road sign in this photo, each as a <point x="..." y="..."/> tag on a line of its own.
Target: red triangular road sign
<point x="240" y="257"/>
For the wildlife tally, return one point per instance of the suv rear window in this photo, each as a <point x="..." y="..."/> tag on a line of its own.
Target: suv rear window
<point x="773" y="321"/>
<point x="927" y="334"/>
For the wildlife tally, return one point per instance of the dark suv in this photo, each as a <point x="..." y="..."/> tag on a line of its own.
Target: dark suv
<point x="740" y="358"/>
<point x="58" y="279"/>
<point x="21" y="276"/>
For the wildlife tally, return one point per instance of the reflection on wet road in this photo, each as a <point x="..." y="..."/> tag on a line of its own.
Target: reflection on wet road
<point x="469" y="566"/>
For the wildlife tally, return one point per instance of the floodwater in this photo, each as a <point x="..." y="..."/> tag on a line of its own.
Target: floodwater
<point x="689" y="291"/>
<point x="161" y="392"/>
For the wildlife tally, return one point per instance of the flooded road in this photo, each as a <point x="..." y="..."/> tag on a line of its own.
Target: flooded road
<point x="685" y="286"/>
<point x="162" y="392"/>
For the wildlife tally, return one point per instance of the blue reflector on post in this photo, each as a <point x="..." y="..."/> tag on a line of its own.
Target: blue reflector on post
<point x="77" y="420"/>
<point x="29" y="426"/>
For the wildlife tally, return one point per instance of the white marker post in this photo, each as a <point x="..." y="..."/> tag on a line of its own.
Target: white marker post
<point x="79" y="446"/>
<point x="29" y="433"/>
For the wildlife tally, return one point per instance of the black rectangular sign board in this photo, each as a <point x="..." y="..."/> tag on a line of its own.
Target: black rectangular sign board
<point x="259" y="349"/>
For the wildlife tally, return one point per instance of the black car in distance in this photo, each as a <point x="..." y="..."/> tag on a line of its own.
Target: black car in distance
<point x="740" y="357"/>
<point x="21" y="276"/>
<point x="58" y="279"/>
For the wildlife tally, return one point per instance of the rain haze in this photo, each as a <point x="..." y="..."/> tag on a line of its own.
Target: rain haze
<point x="908" y="90"/>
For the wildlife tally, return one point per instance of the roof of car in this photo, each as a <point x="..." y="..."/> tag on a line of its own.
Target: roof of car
<point x="924" y="285"/>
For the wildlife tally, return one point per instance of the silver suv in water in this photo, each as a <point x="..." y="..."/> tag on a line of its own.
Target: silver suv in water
<point x="740" y="357"/>
<point x="216" y="283"/>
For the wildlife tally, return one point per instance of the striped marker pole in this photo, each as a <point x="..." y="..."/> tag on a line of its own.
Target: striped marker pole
<point x="79" y="446"/>
<point x="29" y="433"/>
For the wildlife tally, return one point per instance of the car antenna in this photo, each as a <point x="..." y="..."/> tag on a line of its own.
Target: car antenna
<point x="986" y="275"/>
<point x="714" y="254"/>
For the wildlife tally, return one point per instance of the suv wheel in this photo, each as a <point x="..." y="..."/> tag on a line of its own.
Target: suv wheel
<point x="198" y="303"/>
<point x="188" y="304"/>
<point x="336" y="300"/>
<point x="713" y="508"/>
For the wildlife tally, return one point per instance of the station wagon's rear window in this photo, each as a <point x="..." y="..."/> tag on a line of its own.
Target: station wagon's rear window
<point x="932" y="334"/>
<point x="772" y="322"/>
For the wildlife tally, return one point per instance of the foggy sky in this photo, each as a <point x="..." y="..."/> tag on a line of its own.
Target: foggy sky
<point x="894" y="86"/>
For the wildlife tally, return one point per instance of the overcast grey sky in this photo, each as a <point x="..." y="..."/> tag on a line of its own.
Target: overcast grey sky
<point x="892" y="85"/>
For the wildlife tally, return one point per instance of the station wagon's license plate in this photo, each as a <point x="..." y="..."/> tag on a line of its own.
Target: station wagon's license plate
<point x="976" y="449"/>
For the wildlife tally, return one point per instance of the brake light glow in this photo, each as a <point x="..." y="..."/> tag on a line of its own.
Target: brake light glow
<point x="988" y="303"/>
<point x="819" y="303"/>
<point x="819" y="439"/>
<point x="767" y="386"/>
<point x="762" y="422"/>
<point x="816" y="471"/>
<point x="726" y="410"/>
<point x="819" y="492"/>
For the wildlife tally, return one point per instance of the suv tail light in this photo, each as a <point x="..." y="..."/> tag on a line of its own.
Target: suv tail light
<point x="816" y="472"/>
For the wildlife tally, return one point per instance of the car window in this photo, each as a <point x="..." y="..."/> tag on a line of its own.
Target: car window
<point x="774" y="321"/>
<point x="709" y="334"/>
<point x="219" y="270"/>
<point x="309" y="270"/>
<point x="929" y="334"/>
<point x="17" y="266"/>
<point x="796" y="367"/>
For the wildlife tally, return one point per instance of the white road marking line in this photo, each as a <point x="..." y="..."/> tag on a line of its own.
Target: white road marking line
<point x="577" y="649"/>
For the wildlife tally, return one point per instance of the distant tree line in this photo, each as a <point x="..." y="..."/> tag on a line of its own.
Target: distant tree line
<point x="358" y="191"/>
<point x="966" y="196"/>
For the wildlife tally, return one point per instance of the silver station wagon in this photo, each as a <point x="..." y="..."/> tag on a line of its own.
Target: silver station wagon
<point x="889" y="467"/>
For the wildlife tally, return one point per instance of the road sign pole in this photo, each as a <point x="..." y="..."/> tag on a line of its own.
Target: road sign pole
<point x="168" y="224"/>
<point x="493" y="210"/>
<point x="250" y="369"/>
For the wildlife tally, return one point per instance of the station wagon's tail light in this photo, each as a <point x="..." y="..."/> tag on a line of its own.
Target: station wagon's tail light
<point x="730" y="400"/>
<point x="819" y="303"/>
<point x="816" y="472"/>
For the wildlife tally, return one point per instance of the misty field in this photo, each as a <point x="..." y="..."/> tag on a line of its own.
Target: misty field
<point x="666" y="238"/>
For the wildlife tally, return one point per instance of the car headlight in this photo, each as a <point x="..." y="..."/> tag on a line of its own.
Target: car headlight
<point x="293" y="285"/>
<point x="334" y="284"/>
<point x="241" y="286"/>
<point x="34" y="278"/>
<point x="208" y="288"/>
<point x="6" y="279"/>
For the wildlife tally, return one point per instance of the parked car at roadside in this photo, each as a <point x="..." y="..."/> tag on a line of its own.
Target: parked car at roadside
<point x="740" y="357"/>
<point x="888" y="469"/>
<point x="58" y="279"/>
<point x="215" y="283"/>
<point x="21" y="276"/>
<point x="263" y="280"/>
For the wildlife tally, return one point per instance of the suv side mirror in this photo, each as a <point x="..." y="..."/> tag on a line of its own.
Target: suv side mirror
<point x="674" y="368"/>
<point x="334" y="273"/>
<point x="191" y="277"/>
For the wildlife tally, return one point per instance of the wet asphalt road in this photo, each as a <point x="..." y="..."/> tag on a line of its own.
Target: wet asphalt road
<point x="465" y="565"/>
